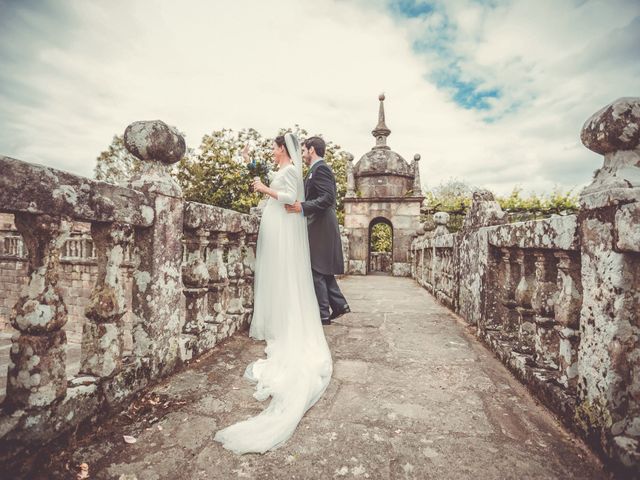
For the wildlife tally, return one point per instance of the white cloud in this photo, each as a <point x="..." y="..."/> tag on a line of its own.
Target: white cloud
<point x="69" y="82"/>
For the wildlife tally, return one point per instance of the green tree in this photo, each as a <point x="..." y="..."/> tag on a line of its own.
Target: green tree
<point x="381" y="238"/>
<point x="217" y="175"/>
<point x="116" y="164"/>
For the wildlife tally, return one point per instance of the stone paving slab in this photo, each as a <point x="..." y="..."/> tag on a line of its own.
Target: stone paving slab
<point x="413" y="396"/>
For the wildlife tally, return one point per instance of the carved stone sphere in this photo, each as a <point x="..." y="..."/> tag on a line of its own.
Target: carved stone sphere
<point x="441" y="218"/>
<point x="615" y="127"/>
<point x="154" y="141"/>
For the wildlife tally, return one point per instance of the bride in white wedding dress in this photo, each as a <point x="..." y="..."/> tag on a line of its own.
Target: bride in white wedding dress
<point x="298" y="365"/>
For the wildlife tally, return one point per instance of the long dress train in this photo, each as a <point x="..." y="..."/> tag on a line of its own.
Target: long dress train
<point x="298" y="365"/>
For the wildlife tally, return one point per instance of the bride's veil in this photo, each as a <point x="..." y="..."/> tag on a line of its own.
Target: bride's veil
<point x="293" y="147"/>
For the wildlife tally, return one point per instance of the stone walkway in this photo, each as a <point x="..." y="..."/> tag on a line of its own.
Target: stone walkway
<point x="413" y="395"/>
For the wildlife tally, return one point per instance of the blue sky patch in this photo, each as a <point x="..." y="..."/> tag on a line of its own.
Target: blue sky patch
<point x="412" y="8"/>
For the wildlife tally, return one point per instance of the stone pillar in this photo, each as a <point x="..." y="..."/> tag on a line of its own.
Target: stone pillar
<point x="417" y="185"/>
<point x="102" y="339"/>
<point x="218" y="279"/>
<point x="195" y="276"/>
<point x="235" y="269"/>
<point x="157" y="285"/>
<point x="472" y="251"/>
<point x="344" y="239"/>
<point x="608" y="359"/>
<point x="36" y="376"/>
<point x="249" y="262"/>
<point x="523" y="297"/>
<point x="510" y="277"/>
<point x="351" y="181"/>
<point x="542" y="302"/>
<point x="567" y="314"/>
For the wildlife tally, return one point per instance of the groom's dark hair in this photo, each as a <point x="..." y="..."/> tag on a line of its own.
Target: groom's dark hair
<point x="318" y="145"/>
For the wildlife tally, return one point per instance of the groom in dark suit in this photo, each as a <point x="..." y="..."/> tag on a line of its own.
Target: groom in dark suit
<point x="324" y="234"/>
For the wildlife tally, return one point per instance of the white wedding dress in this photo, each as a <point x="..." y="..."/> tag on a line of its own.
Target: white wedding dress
<point x="298" y="365"/>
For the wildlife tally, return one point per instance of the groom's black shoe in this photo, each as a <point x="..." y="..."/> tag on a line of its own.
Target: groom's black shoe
<point x="325" y="321"/>
<point x="338" y="313"/>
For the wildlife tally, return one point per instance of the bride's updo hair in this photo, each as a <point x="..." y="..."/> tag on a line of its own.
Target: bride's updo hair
<point x="281" y="143"/>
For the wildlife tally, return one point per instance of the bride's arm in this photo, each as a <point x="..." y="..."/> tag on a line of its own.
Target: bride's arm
<point x="286" y="195"/>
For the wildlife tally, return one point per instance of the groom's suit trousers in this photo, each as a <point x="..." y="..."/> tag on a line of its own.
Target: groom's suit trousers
<point x="328" y="294"/>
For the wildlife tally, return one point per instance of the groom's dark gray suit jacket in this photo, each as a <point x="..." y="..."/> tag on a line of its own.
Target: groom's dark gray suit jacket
<point x="322" y="222"/>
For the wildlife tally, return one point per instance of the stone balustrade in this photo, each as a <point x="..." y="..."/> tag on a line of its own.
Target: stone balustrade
<point x="558" y="300"/>
<point x="190" y="270"/>
<point x="381" y="262"/>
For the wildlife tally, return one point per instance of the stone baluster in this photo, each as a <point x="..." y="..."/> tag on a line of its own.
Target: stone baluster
<point x="218" y="278"/>
<point x="36" y="376"/>
<point x="235" y="271"/>
<point x="567" y="314"/>
<point x="508" y="283"/>
<point x="609" y="364"/>
<point x="523" y="297"/>
<point x="102" y="333"/>
<point x="249" y="262"/>
<point x="351" y="181"/>
<point x="420" y="254"/>
<point x="157" y="280"/>
<point x="542" y="302"/>
<point x="195" y="277"/>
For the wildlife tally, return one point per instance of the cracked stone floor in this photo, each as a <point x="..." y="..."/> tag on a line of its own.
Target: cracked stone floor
<point x="414" y="395"/>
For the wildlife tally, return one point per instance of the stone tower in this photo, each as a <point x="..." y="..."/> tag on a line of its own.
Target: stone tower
<point x="382" y="187"/>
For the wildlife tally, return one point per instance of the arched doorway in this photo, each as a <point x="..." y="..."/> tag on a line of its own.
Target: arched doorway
<point x="380" y="247"/>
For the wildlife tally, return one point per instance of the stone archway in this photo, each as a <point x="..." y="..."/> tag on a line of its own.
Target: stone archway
<point x="380" y="251"/>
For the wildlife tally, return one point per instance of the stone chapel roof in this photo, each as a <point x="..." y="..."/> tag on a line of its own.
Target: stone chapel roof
<point x="381" y="160"/>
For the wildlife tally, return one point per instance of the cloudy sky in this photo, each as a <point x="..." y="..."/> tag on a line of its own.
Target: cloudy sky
<point x="493" y="92"/>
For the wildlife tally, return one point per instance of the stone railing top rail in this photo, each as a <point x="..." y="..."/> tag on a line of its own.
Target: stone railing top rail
<point x="555" y="233"/>
<point x="209" y="217"/>
<point x="26" y="187"/>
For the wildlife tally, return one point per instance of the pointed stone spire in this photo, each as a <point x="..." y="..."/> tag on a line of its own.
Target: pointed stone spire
<point x="381" y="132"/>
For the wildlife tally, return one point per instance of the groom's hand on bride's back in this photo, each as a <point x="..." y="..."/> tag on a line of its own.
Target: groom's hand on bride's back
<point x="294" y="207"/>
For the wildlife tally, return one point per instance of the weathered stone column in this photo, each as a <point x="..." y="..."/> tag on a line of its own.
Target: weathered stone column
<point x="196" y="280"/>
<point x="543" y="300"/>
<point x="523" y="297"/>
<point x="609" y="353"/>
<point x="417" y="185"/>
<point x="351" y="181"/>
<point x="249" y="262"/>
<point x="102" y="339"/>
<point x="510" y="278"/>
<point x="472" y="252"/>
<point x="37" y="375"/>
<point x="157" y="285"/>
<point x="235" y="270"/>
<point x="567" y="314"/>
